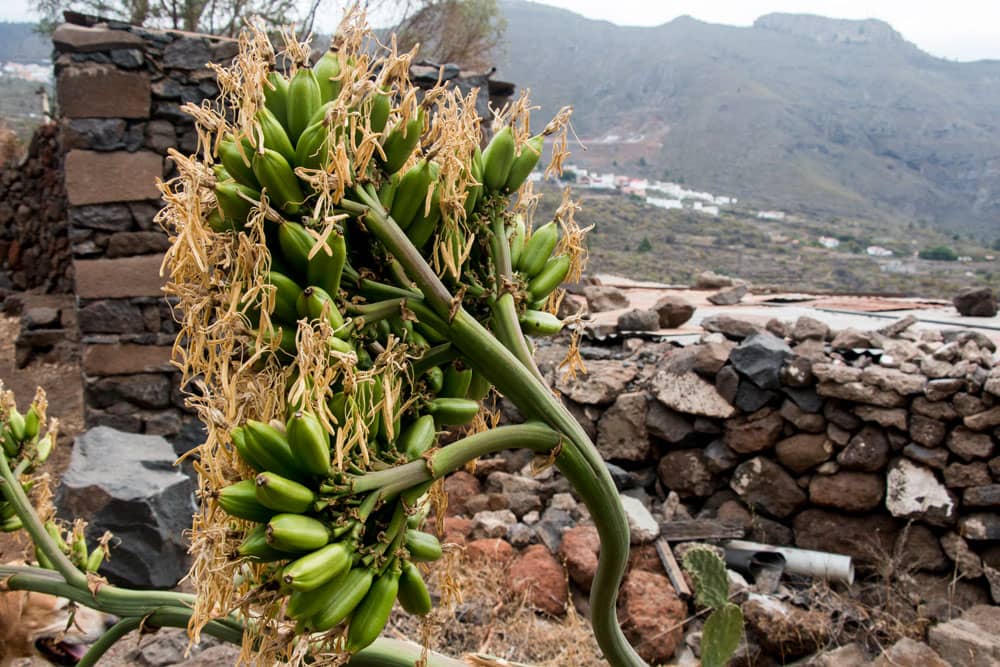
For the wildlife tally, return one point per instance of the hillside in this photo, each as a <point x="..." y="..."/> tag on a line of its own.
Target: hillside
<point x="19" y="42"/>
<point x="822" y="117"/>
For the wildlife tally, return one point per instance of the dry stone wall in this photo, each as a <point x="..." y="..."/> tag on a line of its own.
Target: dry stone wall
<point x="34" y="245"/>
<point x="875" y="444"/>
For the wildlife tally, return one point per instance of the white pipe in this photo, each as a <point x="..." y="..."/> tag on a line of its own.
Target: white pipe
<point x="819" y="564"/>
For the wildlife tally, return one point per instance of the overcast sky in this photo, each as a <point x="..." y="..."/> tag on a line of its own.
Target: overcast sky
<point x="955" y="29"/>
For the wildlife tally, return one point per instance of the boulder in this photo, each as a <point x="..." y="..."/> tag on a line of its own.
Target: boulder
<point x="639" y="319"/>
<point x="600" y="385"/>
<point x="976" y="302"/>
<point x="579" y="550"/>
<point x="642" y="526"/>
<point x="784" y="630"/>
<point x="809" y="328"/>
<point x="652" y="615"/>
<point x="667" y="424"/>
<point x="686" y="472"/>
<point x="728" y="296"/>
<point x="972" y="640"/>
<point x="712" y="280"/>
<point x="759" y="358"/>
<point x="846" y="490"/>
<point x="866" y="539"/>
<point x="909" y="653"/>
<point x="868" y="451"/>
<point x="754" y="433"/>
<point x="969" y="445"/>
<point x="804" y="451"/>
<point x="688" y="393"/>
<point x="731" y="327"/>
<point x="913" y="492"/>
<point x="621" y="432"/>
<point x="673" y="311"/>
<point x="922" y="548"/>
<point x="537" y="578"/>
<point x="489" y="551"/>
<point x="604" y="297"/>
<point x="128" y="484"/>
<point x="765" y="486"/>
<point x="460" y="486"/>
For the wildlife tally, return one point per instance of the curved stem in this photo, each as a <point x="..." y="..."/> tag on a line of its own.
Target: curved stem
<point x="110" y="637"/>
<point x="12" y="491"/>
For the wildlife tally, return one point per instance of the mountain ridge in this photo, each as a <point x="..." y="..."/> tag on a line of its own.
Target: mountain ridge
<point x="827" y="117"/>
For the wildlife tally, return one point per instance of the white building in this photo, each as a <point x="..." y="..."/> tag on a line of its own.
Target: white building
<point x="828" y="242"/>
<point x="878" y="251"/>
<point x="668" y="204"/>
<point x="771" y="215"/>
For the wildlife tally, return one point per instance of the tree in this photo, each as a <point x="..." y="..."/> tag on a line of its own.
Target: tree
<point x="996" y="244"/>
<point x="465" y="32"/>
<point x="219" y="17"/>
<point x="644" y="245"/>
<point x="941" y="252"/>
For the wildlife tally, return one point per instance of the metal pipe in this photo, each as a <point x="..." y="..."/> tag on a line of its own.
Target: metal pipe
<point x="819" y="564"/>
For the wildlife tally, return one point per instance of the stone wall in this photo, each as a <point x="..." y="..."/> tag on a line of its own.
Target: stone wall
<point x="877" y="444"/>
<point x="34" y="246"/>
<point x="120" y="89"/>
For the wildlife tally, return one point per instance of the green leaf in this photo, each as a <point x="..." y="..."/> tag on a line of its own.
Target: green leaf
<point x="709" y="574"/>
<point x="721" y="635"/>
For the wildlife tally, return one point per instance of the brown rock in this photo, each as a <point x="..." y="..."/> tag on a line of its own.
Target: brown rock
<point x="867" y="451"/>
<point x="886" y="417"/>
<point x="852" y="339"/>
<point x="980" y="526"/>
<point x="801" y="452"/>
<point x="859" y="392"/>
<point x="754" y="433"/>
<point x="125" y="358"/>
<point x="652" y="615"/>
<point x="579" y="550"/>
<point x="688" y="393"/>
<point x="926" y="432"/>
<point x="967" y="404"/>
<point x="712" y="356"/>
<point x="976" y="302"/>
<point x="685" y="471"/>
<point x="784" y="630"/>
<point x="80" y="39"/>
<point x="96" y="178"/>
<point x="987" y="495"/>
<point x="909" y="653"/>
<point x="982" y="421"/>
<point x="604" y="297"/>
<point x="644" y="557"/>
<point x="621" y="432"/>
<point x="891" y="379"/>
<point x="809" y="422"/>
<point x="764" y="485"/>
<point x="537" y="578"/>
<point x="938" y="390"/>
<point x="102" y="91"/>
<point x="731" y="327"/>
<point x="457" y="529"/>
<point x="673" y="311"/>
<point x="972" y="640"/>
<point x="808" y="328"/>
<point x="849" y="491"/>
<point x="968" y="445"/>
<point x="933" y="458"/>
<point x="921" y="548"/>
<point x="967" y="563"/>
<point x="126" y="244"/>
<point x="667" y="424"/>
<point x="600" y="385"/>
<point x="460" y="486"/>
<point x="962" y="475"/>
<point x="489" y="551"/>
<point x="866" y="539"/>
<point x="118" y="278"/>
<point x="728" y="296"/>
<point x="940" y="410"/>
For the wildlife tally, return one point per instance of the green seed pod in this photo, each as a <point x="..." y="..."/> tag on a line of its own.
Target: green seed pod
<point x="286" y="297"/>
<point x="256" y="548"/>
<point x="401" y="142"/>
<point x="296" y="533"/>
<point x="295" y="244"/>
<point x="270" y="447"/>
<point x="452" y="411"/>
<point x="304" y="98"/>
<point x="11" y="525"/>
<point x="315" y="303"/>
<point x="475" y="192"/>
<point x="339" y="345"/>
<point x="282" y="494"/>
<point x="240" y="500"/>
<point x="479" y="386"/>
<point x="236" y="201"/>
<point x="379" y="107"/>
<point x="517" y="240"/>
<point x="275" y="138"/>
<point x="238" y="437"/>
<point x="433" y="377"/>
<point x="411" y="195"/>
<point x="327" y="75"/>
<point x="538" y="249"/>
<point x="219" y="223"/>
<point x="311" y="148"/>
<point x="549" y="278"/>
<point x="424" y="226"/>
<point x="95" y="559"/>
<point x="417" y="438"/>
<point x="521" y="168"/>
<point x="303" y="605"/>
<point x="540" y="323"/>
<point x="372" y="614"/>
<point x="31" y="424"/>
<point x="387" y="193"/>
<point x="43" y="449"/>
<point x="310" y="443"/>
<point x="413" y="594"/>
<point x="238" y="163"/>
<point x="456" y="382"/>
<point x="16" y="424"/>
<point x="326" y="269"/>
<point x="344" y="600"/>
<point x="276" y="96"/>
<point x="6" y="510"/>
<point x="423" y="547"/>
<point x="10" y="445"/>
<point x="313" y="570"/>
<point x="498" y="159"/>
<point x="279" y="181"/>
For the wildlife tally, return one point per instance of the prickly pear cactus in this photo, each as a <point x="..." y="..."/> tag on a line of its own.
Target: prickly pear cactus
<point x="709" y="575"/>
<point x="721" y="635"/>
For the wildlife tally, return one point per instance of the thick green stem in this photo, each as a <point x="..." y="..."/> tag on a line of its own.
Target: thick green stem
<point x="537" y="437"/>
<point x="12" y="491"/>
<point x="591" y="477"/>
<point x="111" y="637"/>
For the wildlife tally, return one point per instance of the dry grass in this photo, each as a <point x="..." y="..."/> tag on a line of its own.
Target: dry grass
<point x="487" y="625"/>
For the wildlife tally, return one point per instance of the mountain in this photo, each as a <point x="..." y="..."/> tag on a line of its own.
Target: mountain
<point x="831" y="118"/>
<point x="20" y="43"/>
